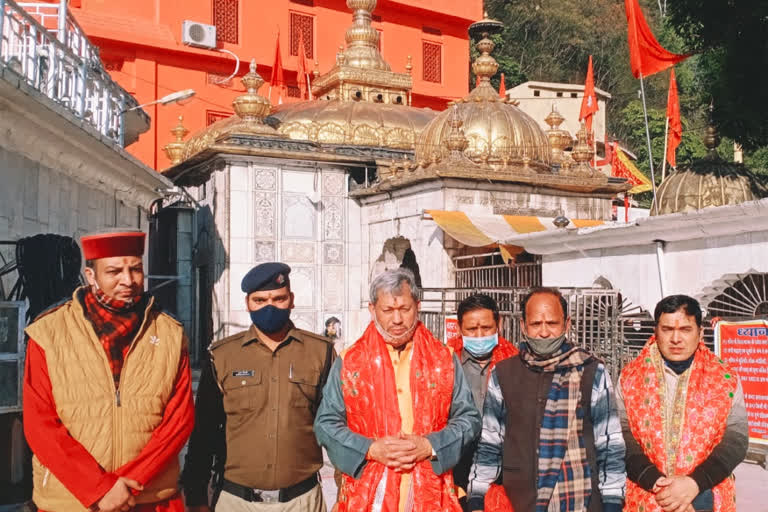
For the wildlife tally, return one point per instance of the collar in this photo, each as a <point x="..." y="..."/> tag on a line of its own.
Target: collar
<point x="406" y="348"/>
<point x="253" y="334"/>
<point x="466" y="356"/>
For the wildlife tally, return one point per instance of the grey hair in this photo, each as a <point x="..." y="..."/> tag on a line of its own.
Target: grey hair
<point x="391" y="281"/>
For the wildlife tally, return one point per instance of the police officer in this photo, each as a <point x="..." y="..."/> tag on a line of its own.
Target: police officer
<point x="260" y="393"/>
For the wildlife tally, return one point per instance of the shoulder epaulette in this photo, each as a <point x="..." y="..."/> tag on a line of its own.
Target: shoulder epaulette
<point x="220" y="343"/>
<point x="52" y="308"/>
<point x="319" y="337"/>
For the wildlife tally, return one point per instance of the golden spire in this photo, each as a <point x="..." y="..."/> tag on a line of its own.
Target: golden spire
<point x="362" y="39"/>
<point x="485" y="66"/>
<point x="582" y="154"/>
<point x="559" y="138"/>
<point x="456" y="142"/>
<point x="360" y="73"/>
<point x="174" y="150"/>
<point x="251" y="106"/>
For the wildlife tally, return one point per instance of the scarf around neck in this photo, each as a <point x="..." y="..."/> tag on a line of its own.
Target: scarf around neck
<point x="115" y="322"/>
<point x="564" y="476"/>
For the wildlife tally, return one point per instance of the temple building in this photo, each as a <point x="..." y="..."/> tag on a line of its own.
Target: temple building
<point x="359" y="180"/>
<point x="154" y="48"/>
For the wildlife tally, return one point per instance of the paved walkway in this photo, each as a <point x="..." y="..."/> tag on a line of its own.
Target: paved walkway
<point x="751" y="487"/>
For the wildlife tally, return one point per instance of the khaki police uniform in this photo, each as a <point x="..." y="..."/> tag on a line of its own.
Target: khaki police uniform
<point x="258" y="406"/>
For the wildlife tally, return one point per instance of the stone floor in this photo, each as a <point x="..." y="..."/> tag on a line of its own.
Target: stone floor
<point x="751" y="487"/>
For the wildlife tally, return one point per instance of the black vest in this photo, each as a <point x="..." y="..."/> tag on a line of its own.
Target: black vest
<point x="525" y="397"/>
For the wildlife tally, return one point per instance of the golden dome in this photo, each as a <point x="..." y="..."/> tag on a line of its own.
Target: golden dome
<point x="354" y="123"/>
<point x="710" y="181"/>
<point x="361" y="101"/>
<point x="497" y="131"/>
<point x="250" y="111"/>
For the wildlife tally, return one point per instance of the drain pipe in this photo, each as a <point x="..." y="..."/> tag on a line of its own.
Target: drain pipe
<point x="660" y="263"/>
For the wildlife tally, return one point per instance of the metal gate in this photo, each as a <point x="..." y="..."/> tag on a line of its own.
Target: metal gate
<point x="596" y="322"/>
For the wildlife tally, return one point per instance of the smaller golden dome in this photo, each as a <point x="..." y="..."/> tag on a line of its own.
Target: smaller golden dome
<point x="559" y="138"/>
<point x="710" y="181"/>
<point x="498" y="133"/>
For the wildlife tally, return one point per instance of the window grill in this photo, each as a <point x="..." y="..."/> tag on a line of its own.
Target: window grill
<point x="225" y="13"/>
<point x="743" y="298"/>
<point x="302" y="24"/>
<point x="432" y="54"/>
<point x="211" y="116"/>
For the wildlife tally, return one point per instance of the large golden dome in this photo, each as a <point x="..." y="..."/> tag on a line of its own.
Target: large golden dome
<point x="710" y="181"/>
<point x="361" y="101"/>
<point x="354" y="123"/>
<point x="497" y="131"/>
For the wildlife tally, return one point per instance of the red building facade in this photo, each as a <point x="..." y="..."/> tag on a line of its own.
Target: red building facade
<point x="141" y="45"/>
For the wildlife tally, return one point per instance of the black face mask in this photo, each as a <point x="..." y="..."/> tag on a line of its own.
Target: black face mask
<point x="270" y="319"/>
<point x="680" y="366"/>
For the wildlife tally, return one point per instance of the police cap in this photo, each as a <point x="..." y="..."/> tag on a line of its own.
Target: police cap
<point x="267" y="276"/>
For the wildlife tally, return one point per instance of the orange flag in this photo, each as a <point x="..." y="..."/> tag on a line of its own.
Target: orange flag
<point x="646" y="55"/>
<point x="301" y="74"/>
<point x="589" y="102"/>
<point x="277" y="80"/>
<point x="675" y="125"/>
<point x="502" y="88"/>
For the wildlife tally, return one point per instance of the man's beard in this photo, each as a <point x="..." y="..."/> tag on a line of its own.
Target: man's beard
<point x="395" y="340"/>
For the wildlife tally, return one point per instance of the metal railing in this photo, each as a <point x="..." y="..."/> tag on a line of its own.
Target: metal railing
<point x="596" y="322"/>
<point x="56" y="59"/>
<point x="488" y="270"/>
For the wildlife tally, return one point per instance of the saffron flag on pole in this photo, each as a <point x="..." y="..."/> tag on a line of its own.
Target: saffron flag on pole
<point x="589" y="102"/>
<point x="675" y="124"/>
<point x="646" y="55"/>
<point x="502" y="88"/>
<point x="622" y="167"/>
<point x="277" y="80"/>
<point x="301" y="74"/>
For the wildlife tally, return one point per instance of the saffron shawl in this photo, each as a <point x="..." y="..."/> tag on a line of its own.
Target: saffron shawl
<point x="370" y="396"/>
<point x="677" y="445"/>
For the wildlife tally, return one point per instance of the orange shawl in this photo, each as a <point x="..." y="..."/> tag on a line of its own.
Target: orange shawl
<point x="370" y="396"/>
<point x="701" y="408"/>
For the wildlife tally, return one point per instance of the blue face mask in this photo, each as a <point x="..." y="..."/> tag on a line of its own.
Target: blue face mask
<point x="270" y="319"/>
<point x="481" y="346"/>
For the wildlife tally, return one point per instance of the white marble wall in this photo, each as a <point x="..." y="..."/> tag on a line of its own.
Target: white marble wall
<point x="690" y="266"/>
<point x="297" y="215"/>
<point x="35" y="199"/>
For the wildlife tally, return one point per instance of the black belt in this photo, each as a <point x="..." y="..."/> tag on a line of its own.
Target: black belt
<point x="270" y="496"/>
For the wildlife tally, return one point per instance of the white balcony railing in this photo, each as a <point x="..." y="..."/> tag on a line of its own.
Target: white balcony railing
<point x="50" y="52"/>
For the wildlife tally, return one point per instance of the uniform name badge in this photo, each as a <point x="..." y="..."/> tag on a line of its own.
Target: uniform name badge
<point x="243" y="373"/>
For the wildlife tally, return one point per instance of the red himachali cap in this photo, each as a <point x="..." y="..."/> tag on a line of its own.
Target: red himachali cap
<point x="108" y="245"/>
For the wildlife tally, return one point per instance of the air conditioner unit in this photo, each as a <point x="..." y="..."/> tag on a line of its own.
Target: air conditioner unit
<point x="198" y="34"/>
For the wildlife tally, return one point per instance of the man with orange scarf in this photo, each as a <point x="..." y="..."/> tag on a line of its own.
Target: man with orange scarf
<point x="397" y="412"/>
<point x="479" y="348"/>
<point x="683" y="416"/>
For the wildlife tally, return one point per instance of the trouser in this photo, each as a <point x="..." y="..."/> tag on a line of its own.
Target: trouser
<point x="310" y="501"/>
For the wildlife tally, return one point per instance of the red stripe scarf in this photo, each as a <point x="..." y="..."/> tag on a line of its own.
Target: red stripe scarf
<point x="115" y="322"/>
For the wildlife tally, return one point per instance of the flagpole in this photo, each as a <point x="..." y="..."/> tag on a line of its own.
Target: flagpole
<point x="666" y="140"/>
<point x="648" y="137"/>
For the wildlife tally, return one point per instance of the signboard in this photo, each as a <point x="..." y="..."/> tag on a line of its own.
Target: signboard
<point x="744" y="346"/>
<point x="451" y="329"/>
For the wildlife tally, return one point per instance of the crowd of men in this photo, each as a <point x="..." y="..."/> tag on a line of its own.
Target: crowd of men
<point x="410" y="423"/>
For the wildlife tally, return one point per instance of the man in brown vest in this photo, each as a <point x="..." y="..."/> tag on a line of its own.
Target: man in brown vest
<point x="550" y="416"/>
<point x="258" y="398"/>
<point x="107" y="391"/>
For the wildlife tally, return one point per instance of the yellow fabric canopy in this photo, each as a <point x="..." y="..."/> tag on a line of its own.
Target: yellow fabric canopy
<point x="482" y="230"/>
